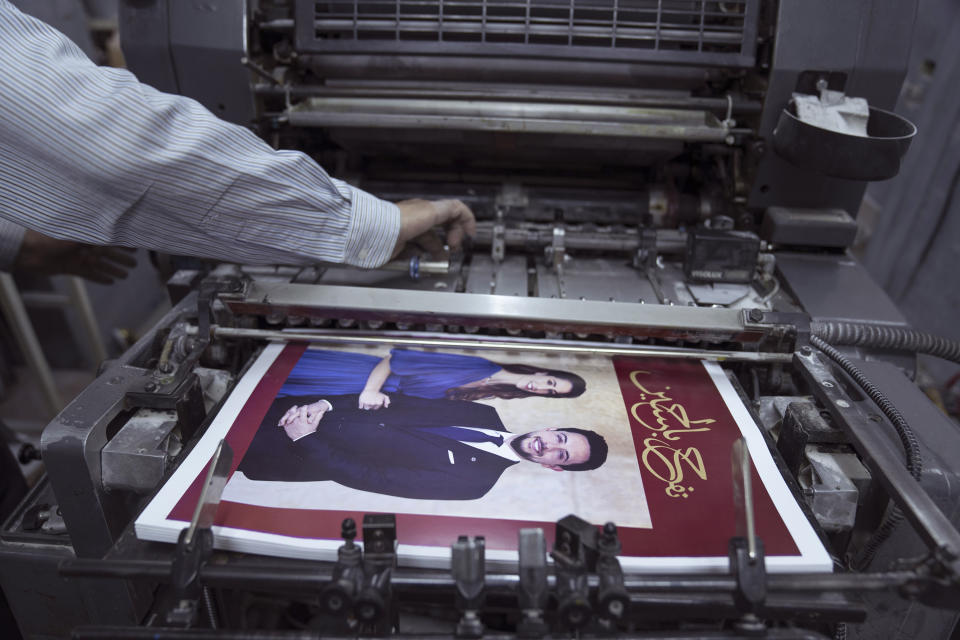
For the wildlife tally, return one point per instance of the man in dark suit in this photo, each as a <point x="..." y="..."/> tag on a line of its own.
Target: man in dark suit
<point x="415" y="448"/>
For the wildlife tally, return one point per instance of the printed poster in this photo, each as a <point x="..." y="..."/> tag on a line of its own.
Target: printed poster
<point x="485" y="442"/>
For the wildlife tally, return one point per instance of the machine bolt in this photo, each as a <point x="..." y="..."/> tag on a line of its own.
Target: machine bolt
<point x="828" y="384"/>
<point x="755" y="315"/>
<point x="150" y="387"/>
<point x="843" y="403"/>
<point x="806" y="351"/>
<point x="165" y="367"/>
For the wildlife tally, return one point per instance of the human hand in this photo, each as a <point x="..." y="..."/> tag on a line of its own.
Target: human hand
<point x="373" y="400"/>
<point x="300" y="421"/>
<point x="48" y="256"/>
<point x="419" y="217"/>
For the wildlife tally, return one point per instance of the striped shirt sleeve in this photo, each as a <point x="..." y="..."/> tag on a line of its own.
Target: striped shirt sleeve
<point x="88" y="153"/>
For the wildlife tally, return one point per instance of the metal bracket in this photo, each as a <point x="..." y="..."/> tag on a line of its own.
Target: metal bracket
<point x="934" y="528"/>
<point x="467" y="566"/>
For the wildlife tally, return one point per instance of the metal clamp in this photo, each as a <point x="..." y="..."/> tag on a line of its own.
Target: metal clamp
<point x="532" y="587"/>
<point x="467" y="566"/>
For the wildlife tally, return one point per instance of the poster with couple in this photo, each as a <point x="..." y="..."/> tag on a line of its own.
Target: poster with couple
<point x="485" y="442"/>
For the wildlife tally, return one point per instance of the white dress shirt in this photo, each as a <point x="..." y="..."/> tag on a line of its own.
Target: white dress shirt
<point x="88" y="153"/>
<point x="504" y="450"/>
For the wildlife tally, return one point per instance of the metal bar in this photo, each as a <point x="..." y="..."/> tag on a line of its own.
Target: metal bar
<point x="425" y="25"/>
<point x="667" y="240"/>
<point x="743" y="495"/>
<point x="480" y="108"/>
<point x="703" y="8"/>
<point x="470" y="343"/>
<point x="483" y="22"/>
<point x="314" y="575"/>
<point x="613" y="33"/>
<point x="526" y="26"/>
<point x="653" y="99"/>
<point x="209" y="500"/>
<point x="525" y="52"/>
<point x="161" y="633"/>
<point x="22" y="328"/>
<point x="581" y="316"/>
<point x="883" y="461"/>
<point x="81" y="300"/>
<point x="656" y="42"/>
<point x="688" y="132"/>
<point x="44" y="300"/>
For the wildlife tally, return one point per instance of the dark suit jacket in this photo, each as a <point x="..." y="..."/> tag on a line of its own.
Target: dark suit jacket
<point x="385" y="451"/>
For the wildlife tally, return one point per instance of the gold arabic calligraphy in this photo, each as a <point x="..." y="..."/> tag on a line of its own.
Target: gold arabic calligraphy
<point x="668" y="420"/>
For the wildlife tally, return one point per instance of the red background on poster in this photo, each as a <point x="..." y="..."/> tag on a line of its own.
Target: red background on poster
<point x="699" y="524"/>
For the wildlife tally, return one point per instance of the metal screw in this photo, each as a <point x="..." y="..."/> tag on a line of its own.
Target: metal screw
<point x="755" y="315"/>
<point x="828" y="384"/>
<point x="615" y="608"/>
<point x="150" y="387"/>
<point x="806" y="351"/>
<point x="843" y="403"/>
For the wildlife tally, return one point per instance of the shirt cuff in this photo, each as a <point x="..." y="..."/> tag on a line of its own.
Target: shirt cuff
<point x="11" y="237"/>
<point x="375" y="226"/>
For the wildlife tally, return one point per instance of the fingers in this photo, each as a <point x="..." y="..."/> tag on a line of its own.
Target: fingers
<point x="458" y="220"/>
<point x="419" y="216"/>
<point x="110" y="270"/>
<point x="430" y="243"/>
<point x="122" y="256"/>
<point x="386" y="401"/>
<point x="289" y="415"/>
<point x="102" y="265"/>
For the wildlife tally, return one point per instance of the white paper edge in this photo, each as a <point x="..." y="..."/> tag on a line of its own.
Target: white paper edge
<point x="804" y="537"/>
<point x="152" y="523"/>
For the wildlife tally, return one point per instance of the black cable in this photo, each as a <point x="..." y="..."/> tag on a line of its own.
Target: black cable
<point x="840" y="632"/>
<point x="908" y="439"/>
<point x="862" y="334"/>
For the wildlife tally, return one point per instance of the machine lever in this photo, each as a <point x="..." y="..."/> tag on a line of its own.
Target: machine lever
<point x="532" y="587"/>
<point x="196" y="544"/>
<point x="746" y="549"/>
<point x="469" y="575"/>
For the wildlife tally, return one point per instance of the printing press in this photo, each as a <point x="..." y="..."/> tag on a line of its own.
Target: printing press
<point x="650" y="177"/>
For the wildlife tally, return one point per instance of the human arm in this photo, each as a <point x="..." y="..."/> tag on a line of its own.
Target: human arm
<point x="371" y="397"/>
<point x="25" y="250"/>
<point x="88" y="153"/>
<point x="429" y="374"/>
<point x="43" y="255"/>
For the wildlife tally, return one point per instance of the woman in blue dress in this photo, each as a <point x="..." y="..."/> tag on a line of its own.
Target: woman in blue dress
<point x="425" y="375"/>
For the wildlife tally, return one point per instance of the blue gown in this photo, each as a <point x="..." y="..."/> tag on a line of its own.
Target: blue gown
<point x="413" y="373"/>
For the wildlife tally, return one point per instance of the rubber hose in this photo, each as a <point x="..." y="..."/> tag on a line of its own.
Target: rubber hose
<point x="891" y="520"/>
<point x="862" y="334"/>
